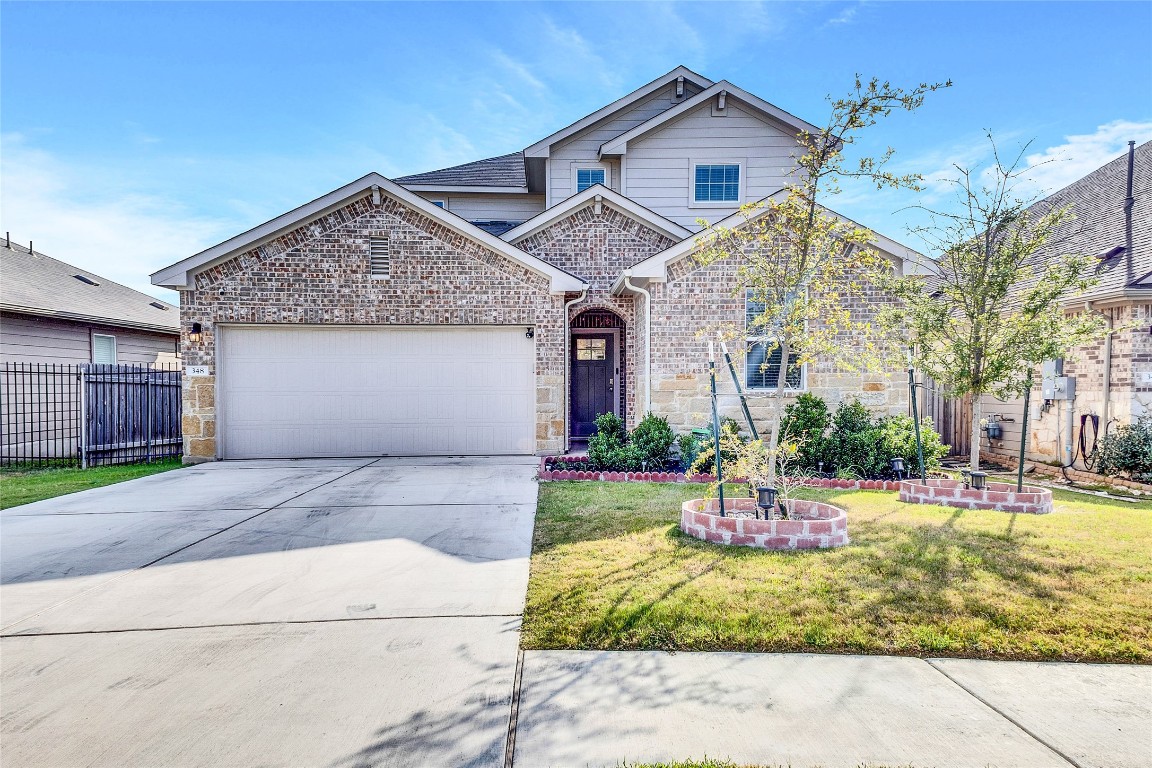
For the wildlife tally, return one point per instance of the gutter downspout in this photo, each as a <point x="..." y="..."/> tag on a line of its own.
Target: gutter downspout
<point x="647" y="339"/>
<point x="1104" y="409"/>
<point x="567" y="363"/>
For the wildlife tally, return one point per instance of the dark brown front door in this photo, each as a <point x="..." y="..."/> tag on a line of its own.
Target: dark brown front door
<point x="593" y="390"/>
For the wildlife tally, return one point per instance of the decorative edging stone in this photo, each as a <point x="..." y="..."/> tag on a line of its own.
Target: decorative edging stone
<point x="816" y="525"/>
<point x="998" y="496"/>
<point x="545" y="475"/>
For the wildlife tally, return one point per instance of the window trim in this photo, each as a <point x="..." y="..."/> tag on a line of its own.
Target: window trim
<point x="439" y="203"/>
<point x="577" y="167"/>
<point x="741" y="195"/>
<point x="749" y="340"/>
<point x="115" y="348"/>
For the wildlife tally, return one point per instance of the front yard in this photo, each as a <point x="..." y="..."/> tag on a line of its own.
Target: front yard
<point x="611" y="570"/>
<point x="24" y="486"/>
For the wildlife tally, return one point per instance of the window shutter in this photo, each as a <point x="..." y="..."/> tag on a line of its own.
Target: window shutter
<point x="379" y="257"/>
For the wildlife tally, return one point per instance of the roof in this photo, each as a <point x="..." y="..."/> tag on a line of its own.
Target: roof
<point x="588" y="197"/>
<point x="179" y="275"/>
<point x="503" y="171"/>
<point x="541" y="148"/>
<point x="655" y="267"/>
<point x="36" y="284"/>
<point x="619" y="145"/>
<point x="1097" y="202"/>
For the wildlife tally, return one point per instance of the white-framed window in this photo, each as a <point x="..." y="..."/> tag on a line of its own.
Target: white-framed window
<point x="103" y="349"/>
<point x="717" y="183"/>
<point x="438" y="203"/>
<point x="584" y="176"/>
<point x="763" y="354"/>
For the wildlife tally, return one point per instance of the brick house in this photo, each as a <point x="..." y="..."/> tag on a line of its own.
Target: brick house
<point x="495" y="307"/>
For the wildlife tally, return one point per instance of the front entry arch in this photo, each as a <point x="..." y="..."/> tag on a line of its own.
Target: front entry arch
<point x="596" y="361"/>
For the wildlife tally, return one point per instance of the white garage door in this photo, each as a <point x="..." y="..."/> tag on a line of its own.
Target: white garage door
<point x="305" y="391"/>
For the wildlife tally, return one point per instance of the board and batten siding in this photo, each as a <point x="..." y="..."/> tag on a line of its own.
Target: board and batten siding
<point x="583" y="148"/>
<point x="33" y="339"/>
<point x="658" y="166"/>
<point x="489" y="207"/>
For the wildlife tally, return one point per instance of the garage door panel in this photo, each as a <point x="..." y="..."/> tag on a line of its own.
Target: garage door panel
<point x="314" y="391"/>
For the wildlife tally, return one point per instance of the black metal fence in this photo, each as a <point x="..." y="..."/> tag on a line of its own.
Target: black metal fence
<point x="88" y="415"/>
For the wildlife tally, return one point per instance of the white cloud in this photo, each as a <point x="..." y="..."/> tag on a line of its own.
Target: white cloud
<point x="1056" y="167"/>
<point x="76" y="215"/>
<point x="844" y="17"/>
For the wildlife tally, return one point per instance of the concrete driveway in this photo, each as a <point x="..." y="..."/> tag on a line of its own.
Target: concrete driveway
<point x="312" y="612"/>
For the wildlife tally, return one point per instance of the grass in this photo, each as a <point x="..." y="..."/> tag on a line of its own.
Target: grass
<point x="23" y="486"/>
<point x="611" y="570"/>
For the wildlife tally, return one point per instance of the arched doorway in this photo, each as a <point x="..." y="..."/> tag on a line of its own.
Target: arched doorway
<point x="596" y="363"/>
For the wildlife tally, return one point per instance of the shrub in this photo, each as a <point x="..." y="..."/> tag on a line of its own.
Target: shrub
<point x="1128" y="450"/>
<point x="898" y="438"/>
<point x="652" y="440"/>
<point x="853" y="443"/>
<point x="689" y="448"/>
<point x="730" y="446"/>
<point x="606" y="447"/>
<point x="805" y="422"/>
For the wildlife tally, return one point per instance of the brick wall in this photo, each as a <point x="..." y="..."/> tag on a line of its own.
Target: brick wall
<point x="319" y="274"/>
<point x="597" y="249"/>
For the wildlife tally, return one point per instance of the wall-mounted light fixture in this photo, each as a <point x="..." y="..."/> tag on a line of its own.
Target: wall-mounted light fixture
<point x="530" y="333"/>
<point x="196" y="334"/>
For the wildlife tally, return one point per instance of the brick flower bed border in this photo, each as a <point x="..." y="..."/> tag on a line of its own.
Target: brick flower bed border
<point x="545" y="475"/>
<point x="820" y="526"/>
<point x="999" y="496"/>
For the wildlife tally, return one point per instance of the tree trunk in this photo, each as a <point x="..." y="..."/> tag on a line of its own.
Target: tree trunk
<point x="974" y="449"/>
<point x="777" y="412"/>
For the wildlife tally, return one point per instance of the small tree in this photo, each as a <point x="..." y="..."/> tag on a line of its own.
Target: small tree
<point x="799" y="261"/>
<point x="993" y="306"/>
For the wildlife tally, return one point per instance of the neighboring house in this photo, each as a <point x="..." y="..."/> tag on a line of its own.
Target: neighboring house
<point x="496" y="307"/>
<point x="1113" y="222"/>
<point x="52" y="312"/>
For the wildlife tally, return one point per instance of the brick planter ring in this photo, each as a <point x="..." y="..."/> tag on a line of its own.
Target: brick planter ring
<point x="999" y="496"/>
<point x="814" y="525"/>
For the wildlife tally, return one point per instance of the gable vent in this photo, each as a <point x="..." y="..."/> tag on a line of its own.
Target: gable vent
<point x="379" y="257"/>
<point x="85" y="279"/>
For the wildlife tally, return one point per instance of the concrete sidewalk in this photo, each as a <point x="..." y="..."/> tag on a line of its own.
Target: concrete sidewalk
<point x="587" y="708"/>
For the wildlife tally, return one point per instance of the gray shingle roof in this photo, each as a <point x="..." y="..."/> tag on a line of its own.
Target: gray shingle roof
<point x="502" y="171"/>
<point x="36" y="284"/>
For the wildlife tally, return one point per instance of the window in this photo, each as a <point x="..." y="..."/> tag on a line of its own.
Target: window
<point x="586" y="177"/>
<point x="762" y="366"/>
<point x="591" y="349"/>
<point x="103" y="349"/>
<point x="717" y="183"/>
<point x="379" y="257"/>
<point x="437" y="203"/>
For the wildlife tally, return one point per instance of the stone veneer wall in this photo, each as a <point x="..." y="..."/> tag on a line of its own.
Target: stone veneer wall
<point x="597" y="249"/>
<point x="318" y="274"/>
<point x="696" y="299"/>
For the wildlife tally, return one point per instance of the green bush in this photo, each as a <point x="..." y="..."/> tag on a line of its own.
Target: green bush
<point x="1127" y="450"/>
<point x="689" y="448"/>
<point x="606" y="446"/>
<point x="805" y="422"/>
<point x="898" y="438"/>
<point x="730" y="446"/>
<point x="854" y="442"/>
<point x="652" y="440"/>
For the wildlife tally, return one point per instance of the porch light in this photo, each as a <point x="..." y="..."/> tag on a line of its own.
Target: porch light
<point x="898" y="467"/>
<point x="765" y="499"/>
<point x="978" y="480"/>
<point x="196" y="334"/>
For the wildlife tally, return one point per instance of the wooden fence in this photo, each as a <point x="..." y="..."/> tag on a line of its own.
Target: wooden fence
<point x="87" y="415"/>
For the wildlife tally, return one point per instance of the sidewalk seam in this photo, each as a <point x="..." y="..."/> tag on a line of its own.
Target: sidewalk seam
<point x="1067" y="758"/>
<point x="514" y="711"/>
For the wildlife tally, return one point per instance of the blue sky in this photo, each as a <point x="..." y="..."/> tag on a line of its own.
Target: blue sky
<point x="135" y="134"/>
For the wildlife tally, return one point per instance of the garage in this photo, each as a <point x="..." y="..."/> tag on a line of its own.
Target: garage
<point x="332" y="391"/>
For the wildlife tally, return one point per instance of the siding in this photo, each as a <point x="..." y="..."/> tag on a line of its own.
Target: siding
<point x="31" y="339"/>
<point x="584" y="147"/>
<point x="489" y="207"/>
<point x="658" y="166"/>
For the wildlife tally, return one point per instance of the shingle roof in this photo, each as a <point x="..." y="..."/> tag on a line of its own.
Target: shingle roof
<point x="1097" y="201"/>
<point x="37" y="284"/>
<point x="502" y="171"/>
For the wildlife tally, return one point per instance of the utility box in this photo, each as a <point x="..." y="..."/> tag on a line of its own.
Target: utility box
<point x="1059" y="388"/>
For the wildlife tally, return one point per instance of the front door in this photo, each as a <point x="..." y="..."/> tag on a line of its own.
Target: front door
<point x="593" y="381"/>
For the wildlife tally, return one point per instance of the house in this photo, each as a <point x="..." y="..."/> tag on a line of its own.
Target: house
<point x="1112" y="209"/>
<point x="496" y="307"/>
<point x="52" y="312"/>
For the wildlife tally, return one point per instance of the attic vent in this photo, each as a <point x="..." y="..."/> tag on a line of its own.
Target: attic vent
<point x="85" y="279"/>
<point x="379" y="257"/>
<point x="158" y="305"/>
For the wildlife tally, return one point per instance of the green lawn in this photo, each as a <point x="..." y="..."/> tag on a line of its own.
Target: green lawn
<point x="610" y="570"/>
<point x="23" y="486"/>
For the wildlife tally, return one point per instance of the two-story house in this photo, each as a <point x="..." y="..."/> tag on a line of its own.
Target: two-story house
<point x="498" y="306"/>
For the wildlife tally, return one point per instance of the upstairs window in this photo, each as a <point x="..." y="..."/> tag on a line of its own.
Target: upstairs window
<point x="717" y="183"/>
<point x="762" y="365"/>
<point x="586" y="177"/>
